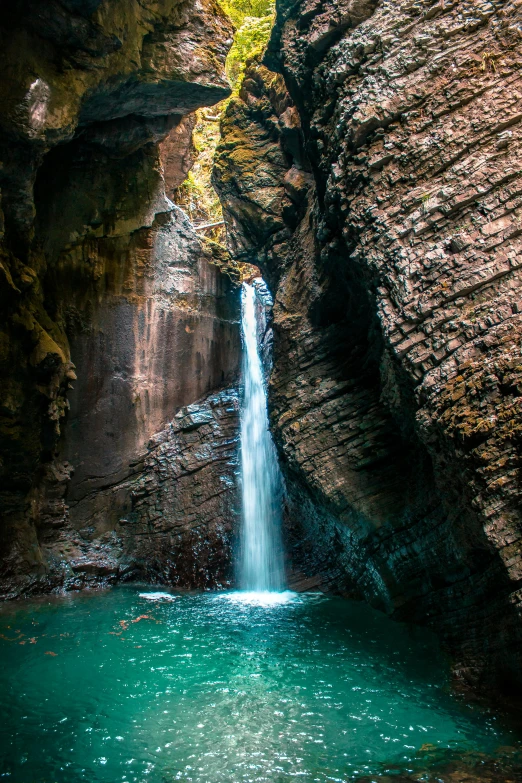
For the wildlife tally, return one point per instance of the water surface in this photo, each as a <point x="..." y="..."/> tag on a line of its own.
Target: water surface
<point x="212" y="688"/>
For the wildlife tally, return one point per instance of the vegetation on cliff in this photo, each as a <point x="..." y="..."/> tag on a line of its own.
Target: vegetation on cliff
<point x="253" y="20"/>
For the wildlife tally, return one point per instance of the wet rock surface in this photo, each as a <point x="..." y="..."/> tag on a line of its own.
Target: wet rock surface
<point x="171" y="519"/>
<point x="112" y="315"/>
<point x="164" y="333"/>
<point x="376" y="184"/>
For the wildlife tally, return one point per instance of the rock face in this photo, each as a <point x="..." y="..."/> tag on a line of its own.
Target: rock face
<point x="375" y="180"/>
<point x="169" y="517"/>
<point x="112" y="314"/>
<point x="177" y="153"/>
<point x="162" y="333"/>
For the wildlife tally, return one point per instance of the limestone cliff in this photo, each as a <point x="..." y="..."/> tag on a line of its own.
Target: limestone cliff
<point x="371" y="169"/>
<point x="112" y="316"/>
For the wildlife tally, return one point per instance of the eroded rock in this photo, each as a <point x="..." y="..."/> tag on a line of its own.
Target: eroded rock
<point x="170" y="518"/>
<point x="110" y="306"/>
<point x="395" y="393"/>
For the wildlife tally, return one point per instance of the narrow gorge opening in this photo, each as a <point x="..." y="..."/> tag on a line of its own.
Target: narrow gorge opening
<point x="260" y="388"/>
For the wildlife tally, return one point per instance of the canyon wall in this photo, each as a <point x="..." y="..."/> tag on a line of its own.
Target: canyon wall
<point x="113" y="314"/>
<point x="370" y="167"/>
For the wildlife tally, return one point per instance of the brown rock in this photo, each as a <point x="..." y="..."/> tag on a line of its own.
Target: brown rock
<point x="177" y="154"/>
<point x="395" y="391"/>
<point x="98" y="267"/>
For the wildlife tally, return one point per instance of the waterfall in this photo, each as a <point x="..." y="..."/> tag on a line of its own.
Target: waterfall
<point x="261" y="553"/>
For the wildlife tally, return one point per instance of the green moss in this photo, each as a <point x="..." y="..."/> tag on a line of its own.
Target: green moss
<point x="253" y="20"/>
<point x="249" y="43"/>
<point x="239" y="10"/>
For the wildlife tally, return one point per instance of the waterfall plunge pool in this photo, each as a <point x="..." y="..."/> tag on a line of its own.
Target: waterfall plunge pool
<point x="135" y="685"/>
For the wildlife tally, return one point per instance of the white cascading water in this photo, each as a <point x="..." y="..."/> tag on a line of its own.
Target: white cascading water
<point x="261" y="554"/>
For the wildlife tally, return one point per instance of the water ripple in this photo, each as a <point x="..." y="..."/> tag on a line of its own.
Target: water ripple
<point x="129" y="685"/>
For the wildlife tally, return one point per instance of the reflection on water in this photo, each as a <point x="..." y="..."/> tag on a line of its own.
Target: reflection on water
<point x="219" y="688"/>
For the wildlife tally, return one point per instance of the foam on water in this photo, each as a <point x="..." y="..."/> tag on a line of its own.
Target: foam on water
<point x="158" y="596"/>
<point x="261" y="597"/>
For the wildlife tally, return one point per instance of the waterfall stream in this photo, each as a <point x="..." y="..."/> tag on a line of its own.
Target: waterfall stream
<point x="261" y="555"/>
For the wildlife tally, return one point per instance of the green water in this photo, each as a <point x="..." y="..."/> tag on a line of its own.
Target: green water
<point x="208" y="689"/>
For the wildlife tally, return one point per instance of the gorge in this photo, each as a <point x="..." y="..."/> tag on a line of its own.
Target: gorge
<point x="368" y="170"/>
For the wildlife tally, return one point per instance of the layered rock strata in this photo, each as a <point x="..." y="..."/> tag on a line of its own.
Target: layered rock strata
<point x="375" y="180"/>
<point x="112" y="314"/>
<point x="170" y="518"/>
